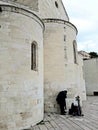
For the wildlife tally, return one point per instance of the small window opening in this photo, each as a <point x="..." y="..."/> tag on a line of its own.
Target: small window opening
<point x="96" y="93"/>
<point x="64" y="38"/>
<point x="0" y="9"/>
<point x="34" y="56"/>
<point x="56" y="4"/>
<point x="75" y="52"/>
<point x="64" y="28"/>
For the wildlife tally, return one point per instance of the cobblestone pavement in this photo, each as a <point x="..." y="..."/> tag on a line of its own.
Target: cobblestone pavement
<point x="89" y="121"/>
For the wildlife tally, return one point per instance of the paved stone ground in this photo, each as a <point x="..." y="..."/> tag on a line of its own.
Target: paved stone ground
<point x="89" y="121"/>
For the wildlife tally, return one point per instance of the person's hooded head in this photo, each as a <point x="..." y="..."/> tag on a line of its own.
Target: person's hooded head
<point x="65" y="93"/>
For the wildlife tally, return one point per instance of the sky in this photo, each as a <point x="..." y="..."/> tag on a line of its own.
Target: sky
<point x="84" y="15"/>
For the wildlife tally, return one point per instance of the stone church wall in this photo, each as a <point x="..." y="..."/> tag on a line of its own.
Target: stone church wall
<point x="54" y="76"/>
<point x="43" y="8"/>
<point x="21" y="89"/>
<point x="73" y="66"/>
<point x="58" y="67"/>
<point x="30" y="4"/>
<point x="60" y="70"/>
<point x="52" y="9"/>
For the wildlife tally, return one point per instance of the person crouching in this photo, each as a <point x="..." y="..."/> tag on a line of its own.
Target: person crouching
<point x="61" y="100"/>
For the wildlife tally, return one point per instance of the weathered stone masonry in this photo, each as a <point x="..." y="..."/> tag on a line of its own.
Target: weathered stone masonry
<point x="21" y="89"/>
<point x="38" y="58"/>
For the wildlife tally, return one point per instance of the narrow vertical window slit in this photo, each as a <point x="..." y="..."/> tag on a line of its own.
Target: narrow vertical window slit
<point x="34" y="56"/>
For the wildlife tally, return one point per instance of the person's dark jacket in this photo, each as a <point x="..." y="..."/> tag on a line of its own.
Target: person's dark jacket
<point x="61" y="97"/>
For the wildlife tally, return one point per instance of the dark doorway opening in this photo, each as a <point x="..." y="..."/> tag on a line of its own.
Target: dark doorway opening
<point x="96" y="93"/>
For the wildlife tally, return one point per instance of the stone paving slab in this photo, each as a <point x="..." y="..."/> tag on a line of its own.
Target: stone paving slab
<point x="89" y="121"/>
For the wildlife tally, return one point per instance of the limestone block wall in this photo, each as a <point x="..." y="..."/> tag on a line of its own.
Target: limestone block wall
<point x="60" y="71"/>
<point x="55" y="61"/>
<point x="52" y="9"/>
<point x="21" y="89"/>
<point x="73" y="65"/>
<point x="43" y="8"/>
<point x="31" y="4"/>
<point x="54" y="76"/>
<point x="91" y="75"/>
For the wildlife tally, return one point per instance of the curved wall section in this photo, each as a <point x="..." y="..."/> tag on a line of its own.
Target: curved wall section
<point x="74" y="64"/>
<point x="54" y="64"/>
<point x="43" y="8"/>
<point x="60" y="71"/>
<point x="31" y="4"/>
<point x="21" y="88"/>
